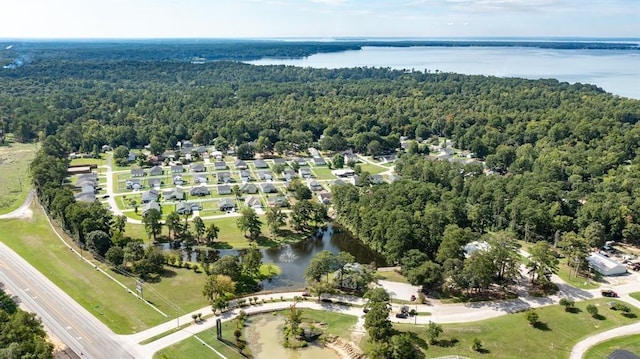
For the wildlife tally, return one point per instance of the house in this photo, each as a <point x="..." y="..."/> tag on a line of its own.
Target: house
<point x="376" y="179"/>
<point x="177" y="169"/>
<point x="219" y="165"/>
<point x="249" y="188"/>
<point x="134" y="184"/>
<point x="253" y="202"/>
<point x="88" y="177"/>
<point x="279" y="201"/>
<point x="355" y="180"/>
<point x="186" y="146"/>
<point x="314" y="185"/>
<point x="475" y="246"/>
<point x="200" y="191"/>
<point x="224" y="177"/>
<point x="289" y="174"/>
<point x="265" y="175"/>
<point x="240" y="164"/>
<point x="216" y="154"/>
<point x="201" y="150"/>
<point x="324" y="198"/>
<point x="154" y="182"/>
<point x="188" y="157"/>
<point x="106" y="148"/>
<point x="300" y="161"/>
<point x="150" y="196"/>
<point x="171" y="155"/>
<point x="198" y="167"/>
<point x="132" y="157"/>
<point x="305" y="173"/>
<point x="319" y="161"/>
<point x="260" y="164"/>
<point x="350" y="157"/>
<point x="187" y="208"/>
<point x="245" y="175"/>
<point x="137" y="172"/>
<point x="279" y="161"/>
<point x="156" y="171"/>
<point x="226" y="204"/>
<point x="350" y="276"/>
<point x="178" y="180"/>
<point x="604" y="265"/>
<point x="314" y="152"/>
<point x="337" y="182"/>
<point x="268" y="188"/>
<point x="393" y="178"/>
<point x="85" y="197"/>
<point x="173" y="194"/>
<point x="149" y="206"/>
<point x="224" y="189"/>
<point x="200" y="178"/>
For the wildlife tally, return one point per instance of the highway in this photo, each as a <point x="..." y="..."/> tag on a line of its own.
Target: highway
<point x="60" y="314"/>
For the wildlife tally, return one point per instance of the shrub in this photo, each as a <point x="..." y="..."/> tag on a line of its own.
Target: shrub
<point x="567" y="303"/>
<point x="477" y="345"/>
<point x="593" y="310"/>
<point x="532" y="317"/>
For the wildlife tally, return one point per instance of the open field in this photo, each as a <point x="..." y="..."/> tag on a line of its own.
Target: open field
<point x="34" y="240"/>
<point x="566" y="274"/>
<point x="630" y="343"/>
<point x="89" y="161"/>
<point x="338" y="324"/>
<point x="371" y="168"/>
<point x="511" y="336"/>
<point x="14" y="177"/>
<point x="391" y="275"/>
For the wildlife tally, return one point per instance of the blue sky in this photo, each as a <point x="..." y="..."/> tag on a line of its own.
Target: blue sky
<point x="317" y="18"/>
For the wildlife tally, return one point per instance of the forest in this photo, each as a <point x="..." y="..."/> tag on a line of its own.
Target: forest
<point x="564" y="157"/>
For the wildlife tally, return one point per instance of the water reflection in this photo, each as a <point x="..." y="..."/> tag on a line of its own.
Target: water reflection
<point x="293" y="259"/>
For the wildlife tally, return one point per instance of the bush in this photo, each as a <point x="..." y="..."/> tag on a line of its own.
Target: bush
<point x="532" y="317"/>
<point x="593" y="310"/>
<point x="477" y="345"/>
<point x="567" y="303"/>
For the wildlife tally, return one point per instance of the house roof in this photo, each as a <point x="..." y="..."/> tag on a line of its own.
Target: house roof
<point x="85" y="197"/>
<point x="154" y="182"/>
<point x="268" y="187"/>
<point x="155" y="170"/>
<point x="226" y="202"/>
<point x="137" y="171"/>
<point x="260" y="164"/>
<point x="265" y="175"/>
<point x="177" y="193"/>
<point x="177" y="168"/>
<point x="200" y="190"/>
<point x="151" y="195"/>
<point x="602" y="263"/>
<point x="279" y="161"/>
<point x="219" y="164"/>
<point x="249" y="187"/>
<point x="240" y="163"/>
<point x="252" y="201"/>
<point x="319" y="161"/>
<point x="198" y="167"/>
<point x="278" y="200"/>
<point x="88" y="176"/>
<point x="224" y="188"/>
<point x="148" y="206"/>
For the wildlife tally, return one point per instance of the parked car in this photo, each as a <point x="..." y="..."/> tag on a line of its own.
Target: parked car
<point x="413" y="298"/>
<point x="608" y="293"/>
<point x="402" y="315"/>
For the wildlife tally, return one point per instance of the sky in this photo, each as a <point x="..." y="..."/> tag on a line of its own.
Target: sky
<point x="318" y="18"/>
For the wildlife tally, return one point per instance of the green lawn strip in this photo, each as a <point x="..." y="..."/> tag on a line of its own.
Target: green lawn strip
<point x="392" y="276"/>
<point x="511" y="336"/>
<point x="323" y="173"/>
<point x="14" y="166"/>
<point x="164" y="334"/>
<point x="371" y="168"/>
<point x="192" y="348"/>
<point x="88" y="161"/>
<point x="567" y="275"/>
<point x="35" y="241"/>
<point x="635" y="295"/>
<point x="602" y="350"/>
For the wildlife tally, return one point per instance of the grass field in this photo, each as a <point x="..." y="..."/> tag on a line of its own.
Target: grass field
<point x="630" y="343"/>
<point x="337" y="324"/>
<point x="89" y="161"/>
<point x="34" y="240"/>
<point x="635" y="295"/>
<point x="14" y="177"/>
<point x="566" y="274"/>
<point x="391" y="276"/>
<point x="510" y="336"/>
<point x="371" y="168"/>
<point x="323" y="173"/>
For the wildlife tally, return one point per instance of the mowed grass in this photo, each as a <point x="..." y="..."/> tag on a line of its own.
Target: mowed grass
<point x="34" y="240"/>
<point x="602" y="350"/>
<point x="635" y="295"/>
<point x="371" y="168"/>
<point x="337" y="324"/>
<point x="568" y="275"/>
<point x="391" y="275"/>
<point x="14" y="174"/>
<point x="510" y="336"/>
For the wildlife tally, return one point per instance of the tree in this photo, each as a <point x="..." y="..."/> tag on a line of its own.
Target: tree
<point x="173" y="223"/>
<point x="278" y="169"/>
<point x="227" y="265"/>
<point x="454" y="239"/>
<point x="401" y="347"/>
<point x="98" y="242"/>
<point x="301" y="215"/>
<point x="567" y="303"/>
<point x="245" y="151"/>
<point x="321" y="264"/>
<point x="212" y="233"/>
<point x="276" y="219"/>
<point x="251" y="261"/>
<point x="433" y="332"/>
<point x="576" y="249"/>
<point x="249" y="222"/>
<point x="592" y="310"/>
<point x="542" y="262"/>
<point x="595" y="234"/>
<point x="532" y="317"/>
<point x="152" y="224"/>
<point x="377" y="322"/>
<point x="218" y="285"/>
<point x="235" y="189"/>
<point x="115" y="256"/>
<point x="478" y="270"/>
<point x="338" y="161"/>
<point x="120" y="223"/>
<point x="477" y="345"/>
<point x="504" y="253"/>
<point x="120" y="155"/>
<point x="428" y="274"/>
<point x="199" y="227"/>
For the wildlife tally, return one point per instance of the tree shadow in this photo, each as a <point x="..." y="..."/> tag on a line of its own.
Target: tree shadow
<point x="447" y="343"/>
<point x="542" y="326"/>
<point x="267" y="242"/>
<point x="629" y="315"/>
<point x="168" y="273"/>
<point x="222" y="245"/>
<point x="598" y="317"/>
<point x="483" y="351"/>
<point x="573" y="310"/>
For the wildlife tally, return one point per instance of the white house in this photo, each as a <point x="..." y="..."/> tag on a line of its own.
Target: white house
<point x="604" y="265"/>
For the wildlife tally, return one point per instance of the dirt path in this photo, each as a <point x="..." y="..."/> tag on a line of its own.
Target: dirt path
<point x="23" y="211"/>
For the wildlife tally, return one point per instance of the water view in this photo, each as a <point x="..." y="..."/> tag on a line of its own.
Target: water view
<point x="616" y="71"/>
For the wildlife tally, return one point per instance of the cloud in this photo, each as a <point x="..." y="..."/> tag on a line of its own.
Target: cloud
<point x="505" y="5"/>
<point x="330" y="2"/>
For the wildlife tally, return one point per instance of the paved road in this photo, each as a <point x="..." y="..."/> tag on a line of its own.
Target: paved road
<point x="23" y="210"/>
<point x="65" y="318"/>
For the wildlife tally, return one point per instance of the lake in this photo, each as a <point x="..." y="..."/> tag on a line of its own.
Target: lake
<point x="615" y="71"/>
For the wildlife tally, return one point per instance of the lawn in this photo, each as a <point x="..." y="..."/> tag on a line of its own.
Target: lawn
<point x="34" y="240"/>
<point x="14" y="166"/>
<point x="567" y="275"/>
<point x="371" y="168"/>
<point x="88" y="161"/>
<point x="323" y="173"/>
<point x="630" y="343"/>
<point x="338" y="324"/>
<point x="635" y="295"/>
<point x="510" y="336"/>
<point x="391" y="275"/>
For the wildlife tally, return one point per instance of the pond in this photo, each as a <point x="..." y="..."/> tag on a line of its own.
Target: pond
<point x="265" y="342"/>
<point x="293" y="259"/>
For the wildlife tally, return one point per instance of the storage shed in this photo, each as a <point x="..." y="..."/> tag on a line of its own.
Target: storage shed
<point x="604" y="265"/>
